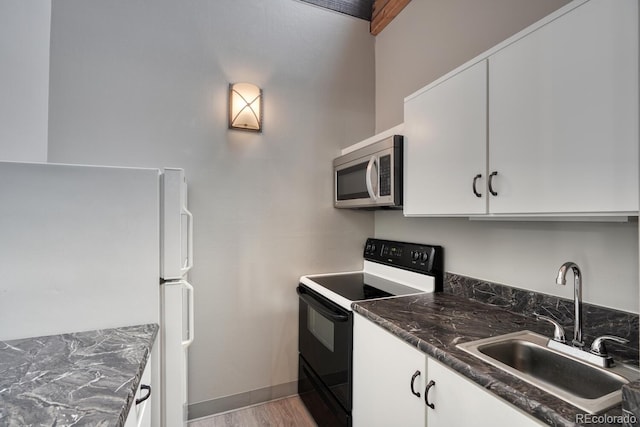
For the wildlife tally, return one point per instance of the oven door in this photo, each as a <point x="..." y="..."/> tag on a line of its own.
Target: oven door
<point x="325" y="342"/>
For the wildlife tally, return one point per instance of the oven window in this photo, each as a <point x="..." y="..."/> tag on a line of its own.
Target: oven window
<point x="320" y="327"/>
<point x="351" y="182"/>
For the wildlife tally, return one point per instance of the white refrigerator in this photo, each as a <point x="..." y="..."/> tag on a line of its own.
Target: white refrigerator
<point x="176" y="243"/>
<point x="88" y="247"/>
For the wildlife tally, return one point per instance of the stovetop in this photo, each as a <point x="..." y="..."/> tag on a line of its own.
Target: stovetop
<point x="361" y="286"/>
<point x="390" y="269"/>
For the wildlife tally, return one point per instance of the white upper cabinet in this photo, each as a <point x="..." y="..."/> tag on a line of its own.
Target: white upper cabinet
<point x="546" y="123"/>
<point x="563" y="114"/>
<point x="446" y="146"/>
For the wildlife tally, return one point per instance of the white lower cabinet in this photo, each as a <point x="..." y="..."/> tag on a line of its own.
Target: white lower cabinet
<point x="140" y="413"/>
<point x="459" y="402"/>
<point x="393" y="384"/>
<point x="384" y="372"/>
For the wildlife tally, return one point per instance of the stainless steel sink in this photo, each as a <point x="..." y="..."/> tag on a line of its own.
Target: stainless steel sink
<point x="525" y="354"/>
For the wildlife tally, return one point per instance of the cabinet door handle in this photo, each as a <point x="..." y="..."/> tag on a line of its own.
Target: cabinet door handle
<point x="413" y="380"/>
<point x="475" y="180"/>
<point x="494" y="173"/>
<point x="426" y="394"/>
<point x="146" y="396"/>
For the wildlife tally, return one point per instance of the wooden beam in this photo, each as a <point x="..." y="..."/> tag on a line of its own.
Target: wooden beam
<point x="378" y="5"/>
<point x="383" y="13"/>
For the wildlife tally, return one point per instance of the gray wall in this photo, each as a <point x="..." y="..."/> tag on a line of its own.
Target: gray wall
<point x="24" y="79"/>
<point x="430" y="38"/>
<point x="144" y="83"/>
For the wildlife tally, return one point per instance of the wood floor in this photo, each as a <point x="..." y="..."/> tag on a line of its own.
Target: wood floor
<point x="287" y="412"/>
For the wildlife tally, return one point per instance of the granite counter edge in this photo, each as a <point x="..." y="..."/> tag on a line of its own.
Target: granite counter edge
<point x="122" y="419"/>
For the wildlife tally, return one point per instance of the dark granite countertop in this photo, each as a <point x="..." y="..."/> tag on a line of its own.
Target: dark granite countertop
<point x="84" y="378"/>
<point x="436" y="323"/>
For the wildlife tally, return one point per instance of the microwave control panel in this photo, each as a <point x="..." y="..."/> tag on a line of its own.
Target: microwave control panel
<point x="385" y="175"/>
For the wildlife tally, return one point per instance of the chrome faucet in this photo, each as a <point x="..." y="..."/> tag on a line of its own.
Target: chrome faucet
<point x="577" y="299"/>
<point x="598" y="353"/>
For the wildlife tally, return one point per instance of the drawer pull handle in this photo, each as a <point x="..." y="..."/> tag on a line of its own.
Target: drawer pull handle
<point x="146" y="396"/>
<point x="413" y="380"/>
<point x="475" y="180"/>
<point x="426" y="394"/>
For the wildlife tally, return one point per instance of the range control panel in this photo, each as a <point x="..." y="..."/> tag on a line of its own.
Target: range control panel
<point x="420" y="258"/>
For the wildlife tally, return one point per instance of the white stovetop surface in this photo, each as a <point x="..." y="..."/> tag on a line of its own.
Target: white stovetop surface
<point x="379" y="275"/>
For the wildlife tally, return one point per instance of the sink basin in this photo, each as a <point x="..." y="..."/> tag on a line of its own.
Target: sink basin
<point x="525" y="354"/>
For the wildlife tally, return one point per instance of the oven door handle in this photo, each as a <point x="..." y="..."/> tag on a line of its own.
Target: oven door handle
<point x="320" y="307"/>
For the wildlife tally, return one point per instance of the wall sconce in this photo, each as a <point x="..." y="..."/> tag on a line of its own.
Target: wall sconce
<point x="245" y="107"/>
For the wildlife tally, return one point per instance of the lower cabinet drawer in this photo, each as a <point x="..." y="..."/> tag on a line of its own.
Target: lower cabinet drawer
<point x="140" y="412"/>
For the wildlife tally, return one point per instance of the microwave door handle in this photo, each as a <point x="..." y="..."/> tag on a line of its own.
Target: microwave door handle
<point x="372" y="192"/>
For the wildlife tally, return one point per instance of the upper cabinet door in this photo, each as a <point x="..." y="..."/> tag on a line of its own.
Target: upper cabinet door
<point x="445" y="131"/>
<point x="563" y="114"/>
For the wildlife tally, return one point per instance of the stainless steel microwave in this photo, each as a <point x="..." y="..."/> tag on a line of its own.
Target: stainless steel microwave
<point x="370" y="177"/>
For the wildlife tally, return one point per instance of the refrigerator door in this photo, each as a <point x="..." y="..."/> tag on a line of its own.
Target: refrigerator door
<point x="78" y="249"/>
<point x="176" y="255"/>
<point x="177" y="335"/>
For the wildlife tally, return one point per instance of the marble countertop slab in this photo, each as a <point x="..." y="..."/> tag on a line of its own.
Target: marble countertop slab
<point x="631" y="403"/>
<point x="436" y="323"/>
<point x="85" y="378"/>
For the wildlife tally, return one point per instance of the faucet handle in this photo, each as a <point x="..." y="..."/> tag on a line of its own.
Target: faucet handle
<point x="558" y="331"/>
<point x="598" y="348"/>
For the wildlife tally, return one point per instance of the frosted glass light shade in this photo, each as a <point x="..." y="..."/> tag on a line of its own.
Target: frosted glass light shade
<point x="245" y="107"/>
